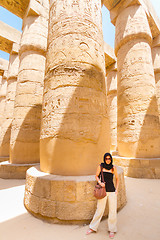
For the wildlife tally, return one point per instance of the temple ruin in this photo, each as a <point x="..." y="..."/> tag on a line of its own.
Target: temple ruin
<point x="67" y="97"/>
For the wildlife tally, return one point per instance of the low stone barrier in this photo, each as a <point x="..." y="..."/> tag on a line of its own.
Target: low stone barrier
<point x="139" y="167"/>
<point x="14" y="171"/>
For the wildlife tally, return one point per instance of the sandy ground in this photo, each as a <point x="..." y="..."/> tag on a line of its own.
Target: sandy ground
<point x="138" y="220"/>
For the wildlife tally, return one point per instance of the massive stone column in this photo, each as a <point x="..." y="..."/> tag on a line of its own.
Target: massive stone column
<point x="156" y="64"/>
<point x="25" y="133"/>
<point x="10" y="97"/>
<point x="3" y="91"/>
<point x="1" y="76"/>
<point x="112" y="105"/>
<point x="138" y="121"/>
<point x="74" y="130"/>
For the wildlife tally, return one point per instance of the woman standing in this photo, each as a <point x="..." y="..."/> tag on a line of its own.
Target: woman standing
<point x="111" y="193"/>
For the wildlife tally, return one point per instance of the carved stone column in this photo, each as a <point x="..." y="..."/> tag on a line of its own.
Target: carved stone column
<point x="1" y="76"/>
<point x="10" y="97"/>
<point x="74" y="130"/>
<point x="25" y="133"/>
<point x="3" y="91"/>
<point x="138" y="121"/>
<point x="156" y="64"/>
<point x="112" y="105"/>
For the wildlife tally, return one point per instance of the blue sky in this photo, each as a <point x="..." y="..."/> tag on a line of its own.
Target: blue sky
<point x="108" y="28"/>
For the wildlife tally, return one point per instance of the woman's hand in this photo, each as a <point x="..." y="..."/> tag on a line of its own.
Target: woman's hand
<point x="102" y="184"/>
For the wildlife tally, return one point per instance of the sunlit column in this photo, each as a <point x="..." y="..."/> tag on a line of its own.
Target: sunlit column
<point x="10" y="97"/>
<point x="112" y="105"/>
<point x="25" y="133"/>
<point x="138" y="122"/>
<point x="156" y="64"/>
<point x="74" y="130"/>
<point x="3" y="91"/>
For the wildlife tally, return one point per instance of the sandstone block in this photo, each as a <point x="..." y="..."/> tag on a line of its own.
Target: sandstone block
<point x="70" y="211"/>
<point x="32" y="202"/>
<point x="47" y="208"/>
<point x="84" y="190"/>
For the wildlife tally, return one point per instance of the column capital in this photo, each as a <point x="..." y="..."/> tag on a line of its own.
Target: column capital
<point x="117" y="6"/>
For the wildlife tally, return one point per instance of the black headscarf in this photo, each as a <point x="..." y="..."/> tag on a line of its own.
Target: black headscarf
<point x="104" y="164"/>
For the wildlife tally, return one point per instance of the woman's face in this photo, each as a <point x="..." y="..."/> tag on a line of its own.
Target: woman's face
<point x="108" y="160"/>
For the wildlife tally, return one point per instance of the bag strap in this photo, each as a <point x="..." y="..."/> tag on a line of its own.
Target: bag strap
<point x="102" y="174"/>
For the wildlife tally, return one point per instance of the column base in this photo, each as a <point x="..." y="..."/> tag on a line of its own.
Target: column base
<point x="139" y="167"/>
<point x="64" y="199"/>
<point x="14" y="171"/>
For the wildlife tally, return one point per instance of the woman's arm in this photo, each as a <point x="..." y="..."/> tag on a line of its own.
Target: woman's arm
<point x="97" y="178"/>
<point x="117" y="179"/>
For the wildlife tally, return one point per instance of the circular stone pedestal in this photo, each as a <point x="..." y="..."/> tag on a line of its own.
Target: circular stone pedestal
<point x="14" y="171"/>
<point x="64" y="199"/>
<point x="139" y="167"/>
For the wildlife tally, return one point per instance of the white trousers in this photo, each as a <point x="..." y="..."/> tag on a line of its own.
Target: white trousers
<point x="112" y="217"/>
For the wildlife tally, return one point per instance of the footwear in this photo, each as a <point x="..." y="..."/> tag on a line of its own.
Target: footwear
<point x="111" y="235"/>
<point x="89" y="231"/>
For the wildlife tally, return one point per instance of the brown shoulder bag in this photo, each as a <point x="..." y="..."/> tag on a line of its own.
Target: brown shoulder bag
<point x="100" y="192"/>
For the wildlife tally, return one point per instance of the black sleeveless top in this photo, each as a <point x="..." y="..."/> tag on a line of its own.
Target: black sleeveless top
<point x="108" y="178"/>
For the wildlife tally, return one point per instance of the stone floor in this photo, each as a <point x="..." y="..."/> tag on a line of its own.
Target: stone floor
<point x="138" y="220"/>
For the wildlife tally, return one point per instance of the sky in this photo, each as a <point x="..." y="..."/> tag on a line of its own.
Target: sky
<point x="108" y="28"/>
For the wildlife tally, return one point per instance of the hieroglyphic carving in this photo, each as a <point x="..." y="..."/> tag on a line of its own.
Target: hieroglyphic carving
<point x="74" y="106"/>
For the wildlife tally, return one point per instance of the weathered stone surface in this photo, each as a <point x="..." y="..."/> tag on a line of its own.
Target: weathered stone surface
<point x="3" y="91"/>
<point x="64" y="198"/>
<point x="139" y="167"/>
<point x="116" y="7"/>
<point x="138" y="119"/>
<point x="156" y="59"/>
<point x="74" y="116"/>
<point x="156" y="65"/>
<point x="32" y="202"/>
<point x="75" y="211"/>
<point x="9" y="103"/>
<point x="131" y="24"/>
<point x="13" y="171"/>
<point x="47" y="208"/>
<point x="112" y="106"/>
<point x="84" y="191"/>
<point x="25" y="133"/>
